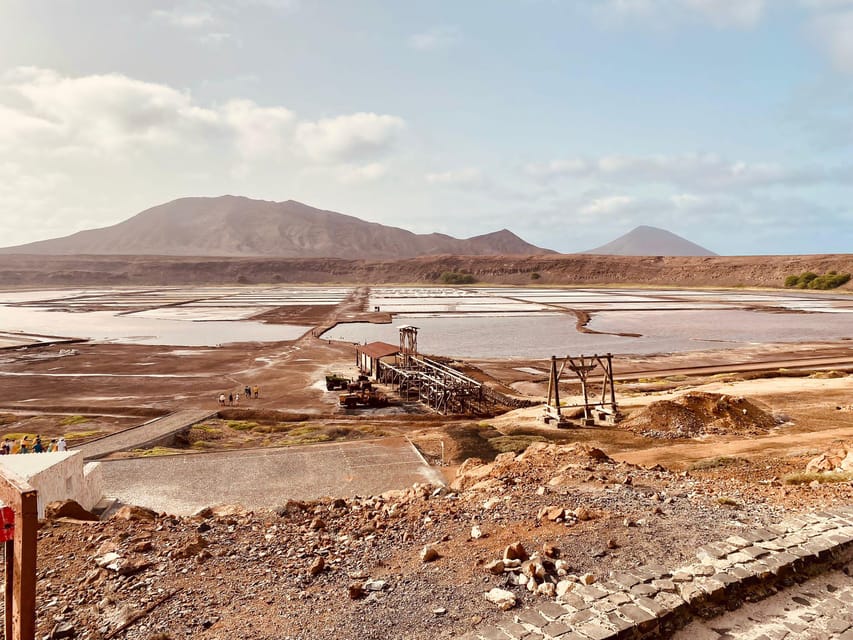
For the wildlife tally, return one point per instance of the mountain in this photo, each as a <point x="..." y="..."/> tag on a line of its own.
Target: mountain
<point x="651" y="241"/>
<point x="233" y="226"/>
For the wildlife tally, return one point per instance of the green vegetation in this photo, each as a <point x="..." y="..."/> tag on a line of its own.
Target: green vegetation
<point x="70" y="420"/>
<point x="811" y="280"/>
<point x="455" y="277"/>
<point x="79" y="435"/>
<point x="157" y="451"/>
<point x="714" y="463"/>
<point x="516" y="444"/>
<point x="822" y="477"/>
<point x="241" y="425"/>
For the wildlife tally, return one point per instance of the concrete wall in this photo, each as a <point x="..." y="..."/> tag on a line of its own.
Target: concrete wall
<point x="58" y="476"/>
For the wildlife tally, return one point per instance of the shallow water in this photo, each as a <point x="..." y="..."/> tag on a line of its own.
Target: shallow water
<point x="544" y="335"/>
<point x="105" y="326"/>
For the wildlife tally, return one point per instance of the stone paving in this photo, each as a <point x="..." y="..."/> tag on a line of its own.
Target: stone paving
<point x="820" y="609"/>
<point x="144" y="434"/>
<point x="655" y="602"/>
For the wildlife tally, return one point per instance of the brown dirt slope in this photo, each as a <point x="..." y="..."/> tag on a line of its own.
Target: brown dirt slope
<point x="763" y="271"/>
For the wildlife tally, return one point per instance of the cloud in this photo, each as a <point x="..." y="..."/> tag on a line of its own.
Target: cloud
<point x="467" y="177"/>
<point x="695" y="171"/>
<point x="442" y="37"/>
<point x="258" y="130"/>
<point x="46" y="113"/>
<point x="359" y="174"/>
<point x="344" y="138"/>
<point x="737" y="14"/>
<point x="608" y="205"/>
<point x="833" y="34"/>
<point x="185" y="18"/>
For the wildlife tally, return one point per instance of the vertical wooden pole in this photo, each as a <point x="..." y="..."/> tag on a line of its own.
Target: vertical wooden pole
<point x="612" y="383"/>
<point x="556" y="386"/>
<point x="24" y="579"/>
<point x="551" y="379"/>
<point x="583" y="373"/>
<point x="9" y="552"/>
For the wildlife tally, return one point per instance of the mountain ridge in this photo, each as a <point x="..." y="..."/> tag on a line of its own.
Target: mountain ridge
<point x="236" y="226"/>
<point x="646" y="240"/>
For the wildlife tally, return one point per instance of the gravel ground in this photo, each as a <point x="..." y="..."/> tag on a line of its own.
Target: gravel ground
<point x="234" y="573"/>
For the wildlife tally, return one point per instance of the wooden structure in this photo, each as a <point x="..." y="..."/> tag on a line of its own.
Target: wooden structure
<point x="603" y="410"/>
<point x="368" y="356"/>
<point x="20" y="552"/>
<point x="408" y="344"/>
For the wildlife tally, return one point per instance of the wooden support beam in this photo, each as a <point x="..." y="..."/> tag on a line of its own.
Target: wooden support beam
<point x="20" y="600"/>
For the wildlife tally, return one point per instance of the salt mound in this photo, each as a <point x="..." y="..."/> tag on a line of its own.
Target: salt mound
<point x="697" y="414"/>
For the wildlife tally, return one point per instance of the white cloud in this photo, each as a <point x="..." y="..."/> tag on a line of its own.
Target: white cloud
<point x="699" y="171"/>
<point x="741" y="14"/>
<point x="738" y="14"/>
<point x="259" y="130"/>
<point x="186" y="18"/>
<point x="347" y="137"/>
<point x="469" y="176"/>
<point x="608" y="205"/>
<point x="358" y="174"/>
<point x="441" y="37"/>
<point x="833" y="33"/>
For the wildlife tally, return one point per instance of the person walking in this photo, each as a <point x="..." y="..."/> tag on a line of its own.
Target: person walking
<point x="51" y="446"/>
<point x="38" y="447"/>
<point x="61" y="445"/>
<point x="236" y="399"/>
<point x="257" y="391"/>
<point x="25" y="445"/>
<point x="230" y="399"/>
<point x="222" y="399"/>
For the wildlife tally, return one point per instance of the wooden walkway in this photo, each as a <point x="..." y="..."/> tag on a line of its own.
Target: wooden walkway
<point x="144" y="434"/>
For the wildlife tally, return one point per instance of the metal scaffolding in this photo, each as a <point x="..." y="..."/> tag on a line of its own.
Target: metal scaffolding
<point x="438" y="386"/>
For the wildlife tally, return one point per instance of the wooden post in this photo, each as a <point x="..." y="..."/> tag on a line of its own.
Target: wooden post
<point x="612" y="384"/>
<point x="9" y="549"/>
<point x="20" y="557"/>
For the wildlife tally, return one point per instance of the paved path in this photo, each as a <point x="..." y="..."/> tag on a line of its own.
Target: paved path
<point x="655" y="602"/>
<point x="144" y="434"/>
<point x="822" y="608"/>
<point x="266" y="478"/>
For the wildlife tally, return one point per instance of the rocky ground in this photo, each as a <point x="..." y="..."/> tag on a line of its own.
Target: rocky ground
<point x="408" y="564"/>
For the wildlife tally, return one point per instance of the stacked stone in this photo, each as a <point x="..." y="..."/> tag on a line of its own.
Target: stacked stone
<point x="652" y="602"/>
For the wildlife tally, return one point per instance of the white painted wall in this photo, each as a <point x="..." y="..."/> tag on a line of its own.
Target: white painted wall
<point x="59" y="475"/>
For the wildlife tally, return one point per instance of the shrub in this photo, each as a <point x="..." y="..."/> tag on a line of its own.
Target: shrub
<point x="535" y="276"/>
<point x="454" y="277"/>
<point x="811" y="280"/>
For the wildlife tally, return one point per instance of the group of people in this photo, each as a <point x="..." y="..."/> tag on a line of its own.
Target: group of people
<point x="24" y="445"/>
<point x="233" y="399"/>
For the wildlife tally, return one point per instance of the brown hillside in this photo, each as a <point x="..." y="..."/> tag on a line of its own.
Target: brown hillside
<point x="763" y="271"/>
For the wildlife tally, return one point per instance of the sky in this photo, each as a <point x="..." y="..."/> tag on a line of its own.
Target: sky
<point x="569" y="122"/>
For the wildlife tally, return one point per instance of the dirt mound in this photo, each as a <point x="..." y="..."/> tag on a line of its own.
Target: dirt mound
<point x="698" y="414"/>
<point x="540" y="462"/>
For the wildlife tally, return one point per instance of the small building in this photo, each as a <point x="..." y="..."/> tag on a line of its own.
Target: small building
<point x="59" y="475"/>
<point x="368" y="356"/>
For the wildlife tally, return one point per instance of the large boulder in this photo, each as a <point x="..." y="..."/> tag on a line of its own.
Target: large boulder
<point x="68" y="509"/>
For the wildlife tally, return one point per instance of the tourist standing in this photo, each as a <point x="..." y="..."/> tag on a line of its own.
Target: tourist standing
<point x="61" y="445"/>
<point x="38" y="447"/>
